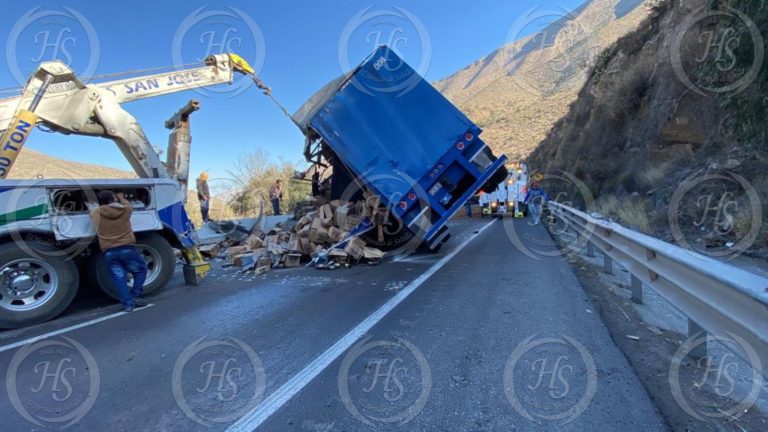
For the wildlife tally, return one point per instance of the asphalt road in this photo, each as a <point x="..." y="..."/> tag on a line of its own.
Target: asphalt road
<point x="482" y="337"/>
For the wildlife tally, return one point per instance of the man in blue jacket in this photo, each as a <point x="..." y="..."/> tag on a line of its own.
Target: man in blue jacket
<point x="535" y="199"/>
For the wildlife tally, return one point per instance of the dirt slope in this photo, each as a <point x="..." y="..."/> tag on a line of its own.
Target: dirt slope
<point x="34" y="164"/>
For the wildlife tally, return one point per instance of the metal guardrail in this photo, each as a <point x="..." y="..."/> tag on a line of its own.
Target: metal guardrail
<point x="718" y="298"/>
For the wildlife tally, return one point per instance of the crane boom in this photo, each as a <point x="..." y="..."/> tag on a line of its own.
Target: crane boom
<point x="65" y="104"/>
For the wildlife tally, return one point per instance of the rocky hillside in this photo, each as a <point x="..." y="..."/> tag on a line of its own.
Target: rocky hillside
<point x="519" y="91"/>
<point x="669" y="131"/>
<point x="32" y="164"/>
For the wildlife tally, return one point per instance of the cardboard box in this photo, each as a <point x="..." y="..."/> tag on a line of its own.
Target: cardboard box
<point x="271" y="239"/>
<point x="210" y="250"/>
<point x="335" y="234"/>
<point x="254" y="242"/>
<point x="244" y="260"/>
<point x="237" y="250"/>
<point x="292" y="260"/>
<point x="355" y="248"/>
<point x="352" y="222"/>
<point x="284" y="237"/>
<point x="318" y="232"/>
<point x="277" y="248"/>
<point x="326" y="212"/>
<point x="305" y="221"/>
<point x="341" y="215"/>
<point x="293" y="243"/>
<point x="372" y="253"/>
<point x="305" y="246"/>
<point x="262" y="269"/>
<point x="265" y="260"/>
<point x="339" y="256"/>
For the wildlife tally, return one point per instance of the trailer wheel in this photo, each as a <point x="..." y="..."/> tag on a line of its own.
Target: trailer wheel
<point x="35" y="284"/>
<point x="157" y="253"/>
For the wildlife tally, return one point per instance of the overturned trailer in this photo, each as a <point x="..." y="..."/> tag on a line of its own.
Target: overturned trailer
<point x="383" y="129"/>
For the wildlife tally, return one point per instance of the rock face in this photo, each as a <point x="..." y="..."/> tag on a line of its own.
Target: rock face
<point x="667" y="115"/>
<point x="519" y="91"/>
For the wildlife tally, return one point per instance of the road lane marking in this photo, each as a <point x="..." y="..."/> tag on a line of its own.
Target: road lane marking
<point x="287" y="391"/>
<point x="69" y="329"/>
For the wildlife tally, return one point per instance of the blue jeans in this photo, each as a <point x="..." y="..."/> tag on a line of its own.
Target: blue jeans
<point x="121" y="261"/>
<point x="204" y="207"/>
<point x="276" y="206"/>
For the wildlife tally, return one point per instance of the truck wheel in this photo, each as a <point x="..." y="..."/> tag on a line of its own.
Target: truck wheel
<point x="157" y="253"/>
<point x="34" y="287"/>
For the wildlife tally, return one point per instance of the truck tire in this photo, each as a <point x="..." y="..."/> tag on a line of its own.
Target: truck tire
<point x="160" y="259"/>
<point x="36" y="285"/>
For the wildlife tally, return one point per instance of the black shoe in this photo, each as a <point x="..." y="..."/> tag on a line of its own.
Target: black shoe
<point x="138" y="304"/>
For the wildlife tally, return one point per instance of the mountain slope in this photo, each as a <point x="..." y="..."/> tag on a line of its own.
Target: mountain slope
<point x="673" y="142"/>
<point x="33" y="164"/>
<point x="520" y="90"/>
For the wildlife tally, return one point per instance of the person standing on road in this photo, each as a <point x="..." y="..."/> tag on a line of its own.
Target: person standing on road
<point x="276" y="195"/>
<point x="204" y="195"/>
<point x="468" y="207"/>
<point x="112" y="220"/>
<point x="535" y="199"/>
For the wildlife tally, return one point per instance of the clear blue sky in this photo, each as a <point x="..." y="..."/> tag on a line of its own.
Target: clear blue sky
<point x="305" y="44"/>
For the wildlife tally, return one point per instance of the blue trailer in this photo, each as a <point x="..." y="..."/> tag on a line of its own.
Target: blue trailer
<point x="385" y="127"/>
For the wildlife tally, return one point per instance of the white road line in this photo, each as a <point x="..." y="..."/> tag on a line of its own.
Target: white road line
<point x="68" y="329"/>
<point x="276" y="400"/>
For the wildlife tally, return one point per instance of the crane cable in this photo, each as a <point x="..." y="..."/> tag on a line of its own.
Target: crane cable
<point x="267" y="91"/>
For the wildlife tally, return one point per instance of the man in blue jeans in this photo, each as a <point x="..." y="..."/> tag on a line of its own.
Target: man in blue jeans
<point x="112" y="220"/>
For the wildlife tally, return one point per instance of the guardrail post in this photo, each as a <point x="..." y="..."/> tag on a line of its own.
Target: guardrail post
<point x="700" y="350"/>
<point x="637" y="290"/>
<point x="590" y="249"/>
<point x="607" y="264"/>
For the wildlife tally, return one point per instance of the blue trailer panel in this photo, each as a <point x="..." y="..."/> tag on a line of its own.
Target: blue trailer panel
<point x="405" y="140"/>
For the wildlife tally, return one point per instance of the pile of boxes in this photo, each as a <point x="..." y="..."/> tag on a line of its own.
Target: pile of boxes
<point x="319" y="232"/>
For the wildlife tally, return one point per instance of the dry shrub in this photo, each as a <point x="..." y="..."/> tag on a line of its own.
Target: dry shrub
<point x="631" y="213"/>
<point x="653" y="175"/>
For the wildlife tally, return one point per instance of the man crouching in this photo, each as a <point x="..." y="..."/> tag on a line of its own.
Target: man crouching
<point x="112" y="220"/>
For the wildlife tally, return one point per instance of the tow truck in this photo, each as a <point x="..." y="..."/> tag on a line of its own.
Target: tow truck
<point x="46" y="235"/>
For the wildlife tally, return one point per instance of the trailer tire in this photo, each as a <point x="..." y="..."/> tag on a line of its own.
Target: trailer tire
<point x="51" y="282"/>
<point x="161" y="263"/>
